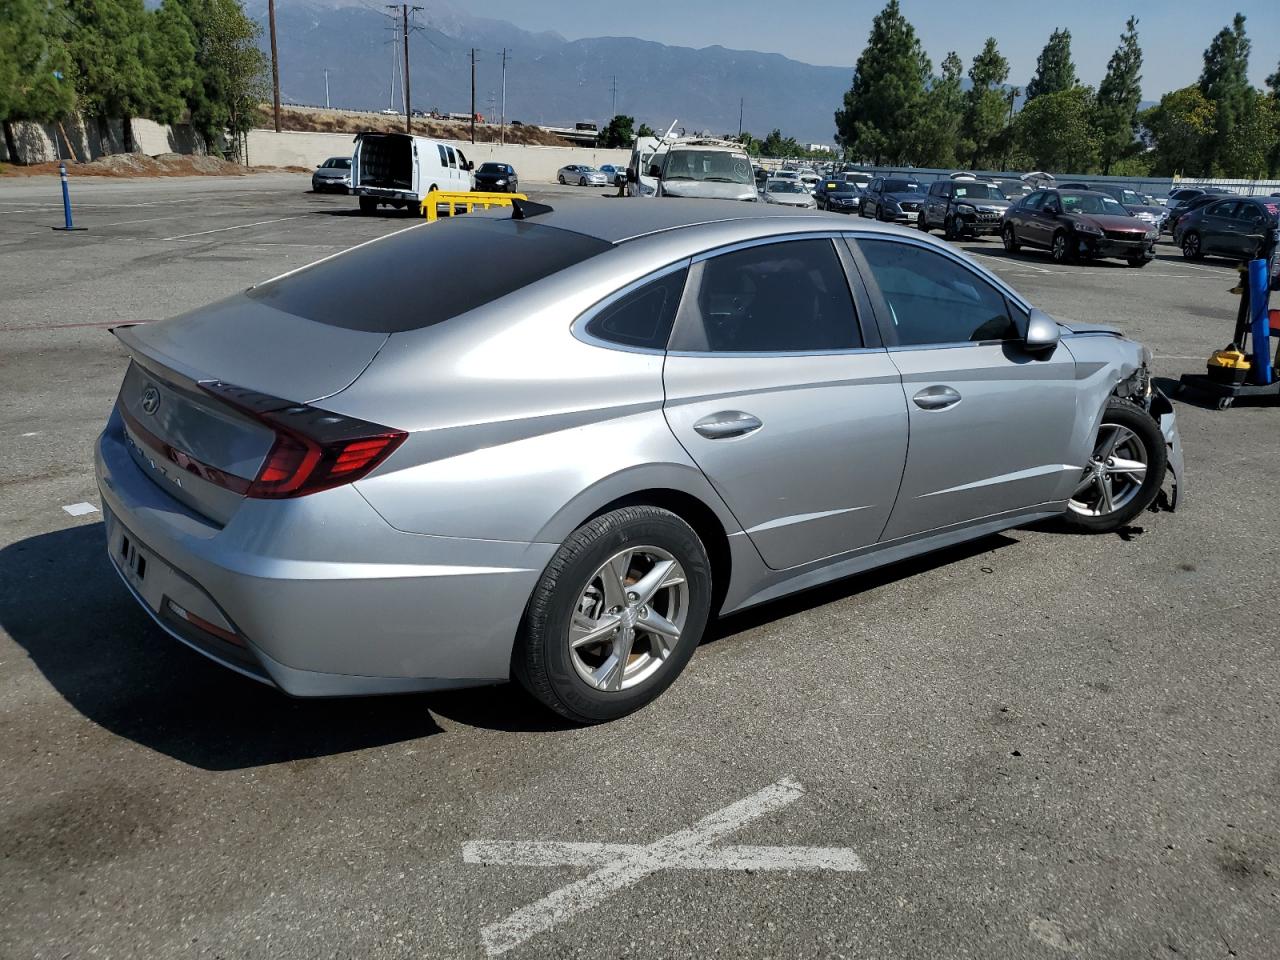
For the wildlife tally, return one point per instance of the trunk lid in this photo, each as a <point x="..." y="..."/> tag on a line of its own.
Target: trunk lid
<point x="180" y="435"/>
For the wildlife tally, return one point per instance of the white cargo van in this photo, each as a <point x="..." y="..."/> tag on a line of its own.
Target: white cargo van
<point x="701" y="167"/>
<point x="399" y="170"/>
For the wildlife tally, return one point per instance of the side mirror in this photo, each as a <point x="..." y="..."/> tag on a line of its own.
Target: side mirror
<point x="1042" y="332"/>
<point x="471" y="164"/>
<point x="655" y="171"/>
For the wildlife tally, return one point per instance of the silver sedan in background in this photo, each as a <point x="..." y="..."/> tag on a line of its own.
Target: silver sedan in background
<point x="582" y="175"/>
<point x="334" y="175"/>
<point x="652" y="415"/>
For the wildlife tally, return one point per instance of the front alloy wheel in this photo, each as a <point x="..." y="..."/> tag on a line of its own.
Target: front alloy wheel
<point x="1124" y="471"/>
<point x="616" y="616"/>
<point x="1061" y="248"/>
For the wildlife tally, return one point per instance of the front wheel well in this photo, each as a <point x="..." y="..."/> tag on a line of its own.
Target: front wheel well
<point x="698" y="515"/>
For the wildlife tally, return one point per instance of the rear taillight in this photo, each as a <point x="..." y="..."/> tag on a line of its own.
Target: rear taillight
<point x="314" y="449"/>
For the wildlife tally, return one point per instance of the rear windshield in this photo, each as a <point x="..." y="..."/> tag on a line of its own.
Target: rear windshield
<point x="426" y="275"/>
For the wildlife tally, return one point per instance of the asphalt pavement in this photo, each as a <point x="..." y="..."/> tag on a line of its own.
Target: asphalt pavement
<point x="1035" y="745"/>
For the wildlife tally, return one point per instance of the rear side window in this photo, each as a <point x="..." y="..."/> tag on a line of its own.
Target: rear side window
<point x="788" y="297"/>
<point x="453" y="161"/>
<point x="427" y="275"/>
<point x="643" y="317"/>
<point x="444" y="157"/>
<point x="1224" y="209"/>
<point x="931" y="299"/>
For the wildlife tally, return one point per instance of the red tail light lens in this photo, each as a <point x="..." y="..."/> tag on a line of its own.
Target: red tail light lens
<point x="314" y="449"/>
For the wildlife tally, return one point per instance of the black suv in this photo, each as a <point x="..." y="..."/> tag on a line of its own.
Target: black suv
<point x="963" y="208"/>
<point x="892" y="199"/>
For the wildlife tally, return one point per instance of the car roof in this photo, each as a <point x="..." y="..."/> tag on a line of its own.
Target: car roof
<point x="617" y="221"/>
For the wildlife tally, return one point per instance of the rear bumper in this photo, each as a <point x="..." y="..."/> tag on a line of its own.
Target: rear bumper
<point x="319" y="596"/>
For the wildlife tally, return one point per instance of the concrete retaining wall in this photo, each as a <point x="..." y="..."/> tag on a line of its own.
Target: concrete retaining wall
<point x="44" y="142"/>
<point x="532" y="163"/>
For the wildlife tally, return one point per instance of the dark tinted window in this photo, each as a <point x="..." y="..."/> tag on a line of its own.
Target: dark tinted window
<point x="901" y="186"/>
<point x="789" y="297"/>
<point x="1034" y="200"/>
<point x="1224" y="209"/>
<point x="644" y="316"/>
<point x="444" y="157"/>
<point x="426" y="275"/>
<point x="933" y="299"/>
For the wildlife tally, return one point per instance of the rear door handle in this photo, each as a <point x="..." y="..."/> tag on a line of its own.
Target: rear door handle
<point x="936" y="398"/>
<point x="727" y="424"/>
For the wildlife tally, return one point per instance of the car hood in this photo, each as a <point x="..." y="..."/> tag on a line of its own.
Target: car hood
<point x="1145" y="208"/>
<point x="1108" y="222"/>
<point x="494" y="176"/>
<point x="1080" y="326"/>
<point x="709" y="189"/>
<point x="998" y="206"/>
<point x="331" y="173"/>
<point x="911" y="196"/>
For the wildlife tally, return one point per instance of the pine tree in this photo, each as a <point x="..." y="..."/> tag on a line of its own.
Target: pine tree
<point x="985" y="106"/>
<point x="110" y="47"/>
<point x="172" y="70"/>
<point x="882" y="105"/>
<point x="938" y="132"/>
<point x="35" y="69"/>
<point x="1116" y="107"/>
<point x="1224" y="81"/>
<point x="1054" y="70"/>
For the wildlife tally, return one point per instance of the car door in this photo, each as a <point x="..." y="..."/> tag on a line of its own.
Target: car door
<point x="1249" y="230"/>
<point x="1022" y="216"/>
<point x="935" y="203"/>
<point x="1042" y="220"/>
<point x="873" y="196"/>
<point x="1216" y="227"/>
<point x="797" y="421"/>
<point x="990" y="423"/>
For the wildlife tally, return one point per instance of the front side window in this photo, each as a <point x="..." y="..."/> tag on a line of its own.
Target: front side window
<point x="444" y="157"/>
<point x="787" y="297"/>
<point x="453" y="160"/>
<point x="1223" y="209"/>
<point x="643" y="317"/>
<point x="932" y="299"/>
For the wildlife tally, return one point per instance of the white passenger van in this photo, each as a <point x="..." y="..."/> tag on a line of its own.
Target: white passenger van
<point x="701" y="167"/>
<point x="399" y="170"/>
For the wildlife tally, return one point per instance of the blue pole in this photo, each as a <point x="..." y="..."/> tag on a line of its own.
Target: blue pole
<point x="1259" y="282"/>
<point x="66" y="194"/>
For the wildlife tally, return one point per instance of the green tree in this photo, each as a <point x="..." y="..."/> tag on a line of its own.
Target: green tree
<point x="1178" y="129"/>
<point x="644" y="130"/>
<point x="1116" y="107"/>
<point x="110" y="46"/>
<point x="172" y="66"/>
<point x="1224" y="81"/>
<point x="1055" y="131"/>
<point x="938" y="132"/>
<point x="985" y="106"/>
<point x="619" y="132"/>
<point x="1273" y="84"/>
<point x="35" y="66"/>
<point x="882" y="104"/>
<point x="1251" y="144"/>
<point x="776" y="145"/>
<point x="233" y="71"/>
<point x="1054" y="70"/>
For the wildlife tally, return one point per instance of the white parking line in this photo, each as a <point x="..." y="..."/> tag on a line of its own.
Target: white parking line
<point x="238" y="226"/>
<point x="620" y="865"/>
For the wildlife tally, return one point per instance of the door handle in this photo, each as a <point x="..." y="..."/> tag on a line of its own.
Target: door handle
<point x="727" y="424"/>
<point x="936" y="398"/>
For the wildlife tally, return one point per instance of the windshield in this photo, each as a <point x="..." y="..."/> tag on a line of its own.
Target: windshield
<point x="841" y="186"/>
<point x="588" y="170"/>
<point x="1098" y="203"/>
<point x="1130" y="197"/>
<point x="978" y="191"/>
<point x="492" y="168"/>
<point x="901" y="186"/>
<point x="717" y="166"/>
<point x="784" y="186"/>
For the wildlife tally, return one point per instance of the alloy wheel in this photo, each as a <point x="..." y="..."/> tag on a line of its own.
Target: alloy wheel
<point x="1010" y="241"/>
<point x="1191" y="246"/>
<point x="1114" y="474"/>
<point x="1060" y="248"/>
<point x="628" y="618"/>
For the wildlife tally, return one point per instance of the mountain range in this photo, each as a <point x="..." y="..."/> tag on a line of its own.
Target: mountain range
<point x="550" y="80"/>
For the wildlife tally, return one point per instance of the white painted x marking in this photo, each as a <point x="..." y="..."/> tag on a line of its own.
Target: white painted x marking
<point x="619" y="865"/>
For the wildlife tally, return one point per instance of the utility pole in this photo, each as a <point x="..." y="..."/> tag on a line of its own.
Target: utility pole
<point x="275" y="63"/>
<point x="504" y="95"/>
<point x="614" y="84"/>
<point x="741" y="101"/>
<point x="473" y="94"/>
<point x="326" y="88"/>
<point x="408" y="122"/>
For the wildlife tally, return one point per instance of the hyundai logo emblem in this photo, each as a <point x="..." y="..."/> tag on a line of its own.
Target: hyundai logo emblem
<point x="150" y="399"/>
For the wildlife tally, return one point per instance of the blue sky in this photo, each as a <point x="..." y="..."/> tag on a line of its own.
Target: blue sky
<point x="1174" y="33"/>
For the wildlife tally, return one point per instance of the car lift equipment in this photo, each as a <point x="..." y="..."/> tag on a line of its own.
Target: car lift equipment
<point x="1246" y="367"/>
<point x="468" y="200"/>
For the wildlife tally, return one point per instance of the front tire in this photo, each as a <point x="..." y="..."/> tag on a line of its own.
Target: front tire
<point x="1124" y="472"/>
<point x="949" y="229"/>
<point x="1061" y="248"/>
<point x="582" y="181"/>
<point x="368" y="206"/>
<point x="560" y="177"/>
<point x="616" y="615"/>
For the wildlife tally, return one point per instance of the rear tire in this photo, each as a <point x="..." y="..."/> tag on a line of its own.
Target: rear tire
<point x="573" y="597"/>
<point x="1191" y="248"/>
<point x="1127" y="436"/>
<point x="1010" y="239"/>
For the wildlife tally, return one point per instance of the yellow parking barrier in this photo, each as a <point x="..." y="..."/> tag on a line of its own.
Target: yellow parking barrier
<point x="466" y="199"/>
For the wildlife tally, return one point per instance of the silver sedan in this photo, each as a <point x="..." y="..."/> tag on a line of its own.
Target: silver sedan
<point x="651" y="416"/>
<point x="583" y="176"/>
